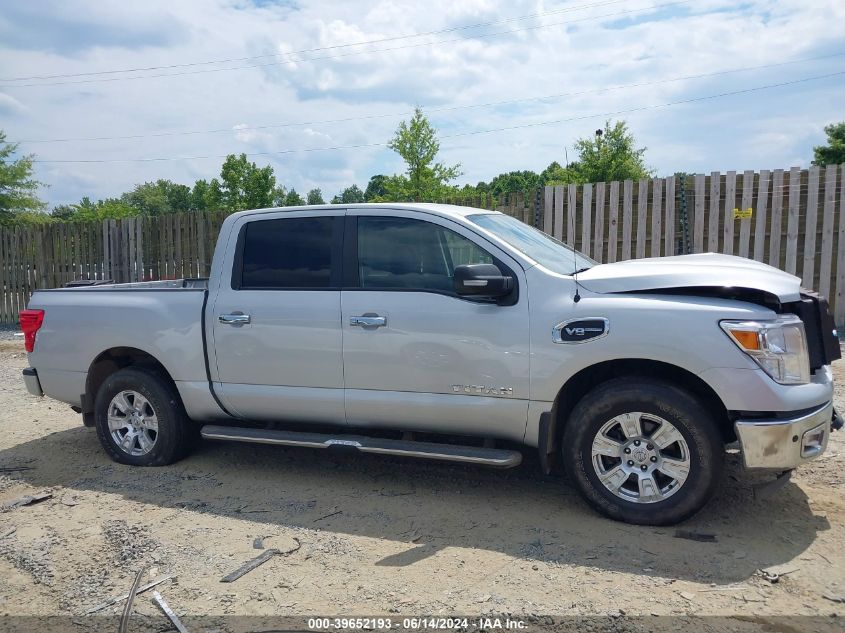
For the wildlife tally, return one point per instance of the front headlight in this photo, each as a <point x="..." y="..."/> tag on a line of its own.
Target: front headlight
<point x="779" y="346"/>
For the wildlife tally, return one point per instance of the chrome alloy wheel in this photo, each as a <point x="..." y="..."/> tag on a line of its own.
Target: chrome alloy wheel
<point x="640" y="457"/>
<point x="132" y="423"/>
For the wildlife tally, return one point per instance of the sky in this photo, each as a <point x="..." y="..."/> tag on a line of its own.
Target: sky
<point x="317" y="88"/>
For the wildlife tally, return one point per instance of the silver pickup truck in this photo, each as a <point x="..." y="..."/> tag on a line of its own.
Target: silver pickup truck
<point x="451" y="333"/>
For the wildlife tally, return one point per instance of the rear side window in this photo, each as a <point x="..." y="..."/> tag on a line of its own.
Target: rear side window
<point x="287" y="253"/>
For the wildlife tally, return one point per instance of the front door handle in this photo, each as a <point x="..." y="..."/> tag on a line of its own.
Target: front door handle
<point x="368" y="321"/>
<point x="233" y="319"/>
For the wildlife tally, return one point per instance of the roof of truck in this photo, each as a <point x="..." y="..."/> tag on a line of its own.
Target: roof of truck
<point x="447" y="210"/>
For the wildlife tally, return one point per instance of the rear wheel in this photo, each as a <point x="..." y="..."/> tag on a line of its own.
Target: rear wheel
<point x="140" y="419"/>
<point x="643" y="451"/>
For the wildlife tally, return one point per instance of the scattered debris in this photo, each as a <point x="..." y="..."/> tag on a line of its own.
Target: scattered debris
<point x="117" y="599"/>
<point x="774" y="576"/>
<point x="70" y="500"/>
<point x="26" y="500"/>
<point x="169" y="613"/>
<point x="770" y="576"/>
<point x="834" y="597"/>
<point x="130" y="601"/>
<point x="686" y="595"/>
<point x="326" y="516"/>
<point x="416" y="538"/>
<point x="258" y="543"/>
<point x="258" y="560"/>
<point x="701" y="537"/>
<point x="14" y="469"/>
<point x="250" y="565"/>
<point x="8" y="532"/>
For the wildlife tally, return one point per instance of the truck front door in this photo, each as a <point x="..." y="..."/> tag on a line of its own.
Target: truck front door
<point x="415" y="354"/>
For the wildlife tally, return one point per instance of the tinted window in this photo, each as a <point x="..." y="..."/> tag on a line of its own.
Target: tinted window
<point x="287" y="253"/>
<point x="412" y="254"/>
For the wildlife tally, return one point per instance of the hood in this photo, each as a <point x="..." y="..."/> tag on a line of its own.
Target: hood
<point x="704" y="270"/>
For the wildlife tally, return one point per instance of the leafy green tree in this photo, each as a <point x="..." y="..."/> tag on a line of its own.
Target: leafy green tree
<point x="279" y="194"/>
<point x="244" y="185"/>
<point x="63" y="212"/>
<point x="159" y="197"/>
<point x="548" y="174"/>
<point x="514" y="181"/>
<point x="350" y="195"/>
<point x="315" y="196"/>
<point x="834" y="152"/>
<point x="416" y="142"/>
<point x="87" y="210"/>
<point x="293" y="199"/>
<point x="375" y="188"/>
<point x="17" y="185"/>
<point x="206" y="196"/>
<point x="611" y="155"/>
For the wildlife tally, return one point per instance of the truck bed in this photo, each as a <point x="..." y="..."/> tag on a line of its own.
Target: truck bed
<point x="162" y="318"/>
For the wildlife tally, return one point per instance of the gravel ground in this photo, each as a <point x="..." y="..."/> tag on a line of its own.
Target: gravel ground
<point x="10" y="332"/>
<point x="362" y="535"/>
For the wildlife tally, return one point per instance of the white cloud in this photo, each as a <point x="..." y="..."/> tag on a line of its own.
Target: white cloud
<point x="763" y="129"/>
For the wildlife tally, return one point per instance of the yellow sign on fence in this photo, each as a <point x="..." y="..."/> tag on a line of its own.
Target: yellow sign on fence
<point x="740" y="214"/>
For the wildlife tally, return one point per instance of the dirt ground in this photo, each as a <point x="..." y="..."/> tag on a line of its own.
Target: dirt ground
<point x="367" y="535"/>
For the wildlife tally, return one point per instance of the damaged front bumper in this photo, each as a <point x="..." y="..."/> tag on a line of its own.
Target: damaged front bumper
<point x="785" y="443"/>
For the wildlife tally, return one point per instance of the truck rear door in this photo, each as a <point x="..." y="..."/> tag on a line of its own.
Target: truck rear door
<point x="275" y="324"/>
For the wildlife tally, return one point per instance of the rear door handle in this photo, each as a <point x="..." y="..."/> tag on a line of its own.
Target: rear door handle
<point x="368" y="321"/>
<point x="233" y="319"/>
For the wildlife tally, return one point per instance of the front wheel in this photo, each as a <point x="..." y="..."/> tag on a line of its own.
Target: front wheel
<point x="643" y="451"/>
<point x="140" y="419"/>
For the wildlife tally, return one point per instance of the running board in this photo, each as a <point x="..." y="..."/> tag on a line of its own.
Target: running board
<point x="498" y="458"/>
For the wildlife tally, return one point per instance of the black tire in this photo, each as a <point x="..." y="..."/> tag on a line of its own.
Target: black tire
<point x="682" y="410"/>
<point x="175" y="435"/>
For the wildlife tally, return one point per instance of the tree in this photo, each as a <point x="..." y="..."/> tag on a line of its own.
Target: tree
<point x="159" y="197"/>
<point x="17" y="186"/>
<point x="608" y="155"/>
<point x="350" y="195"/>
<point x="315" y="196"/>
<point x="514" y="181"/>
<point x="834" y="152"/>
<point x="243" y="185"/>
<point x="87" y="210"/>
<point x="293" y="199"/>
<point x="416" y="142"/>
<point x="375" y="188"/>
<point x="206" y="196"/>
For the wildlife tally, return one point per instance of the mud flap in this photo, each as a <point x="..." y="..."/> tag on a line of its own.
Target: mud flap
<point x="547" y="443"/>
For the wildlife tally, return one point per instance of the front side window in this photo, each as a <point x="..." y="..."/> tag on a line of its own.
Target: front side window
<point x="287" y="253"/>
<point x="403" y="253"/>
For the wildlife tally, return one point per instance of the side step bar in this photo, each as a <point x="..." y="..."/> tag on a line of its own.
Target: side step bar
<point x="498" y="458"/>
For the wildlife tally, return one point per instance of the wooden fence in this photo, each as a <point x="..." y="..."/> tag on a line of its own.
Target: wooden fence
<point x="790" y="219"/>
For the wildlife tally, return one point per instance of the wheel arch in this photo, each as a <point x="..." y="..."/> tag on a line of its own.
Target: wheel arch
<point x="108" y="362"/>
<point x="580" y="383"/>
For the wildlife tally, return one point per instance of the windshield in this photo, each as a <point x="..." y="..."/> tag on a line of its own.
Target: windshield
<point x="542" y="248"/>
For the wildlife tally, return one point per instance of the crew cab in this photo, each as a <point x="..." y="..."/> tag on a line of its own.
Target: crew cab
<point x="452" y="333"/>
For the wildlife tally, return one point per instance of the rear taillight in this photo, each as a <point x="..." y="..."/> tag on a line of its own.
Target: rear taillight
<point x="31" y="321"/>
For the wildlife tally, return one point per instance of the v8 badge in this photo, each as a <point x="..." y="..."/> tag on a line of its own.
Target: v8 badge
<point x="580" y="330"/>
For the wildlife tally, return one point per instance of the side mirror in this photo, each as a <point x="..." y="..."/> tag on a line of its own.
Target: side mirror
<point x="482" y="280"/>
